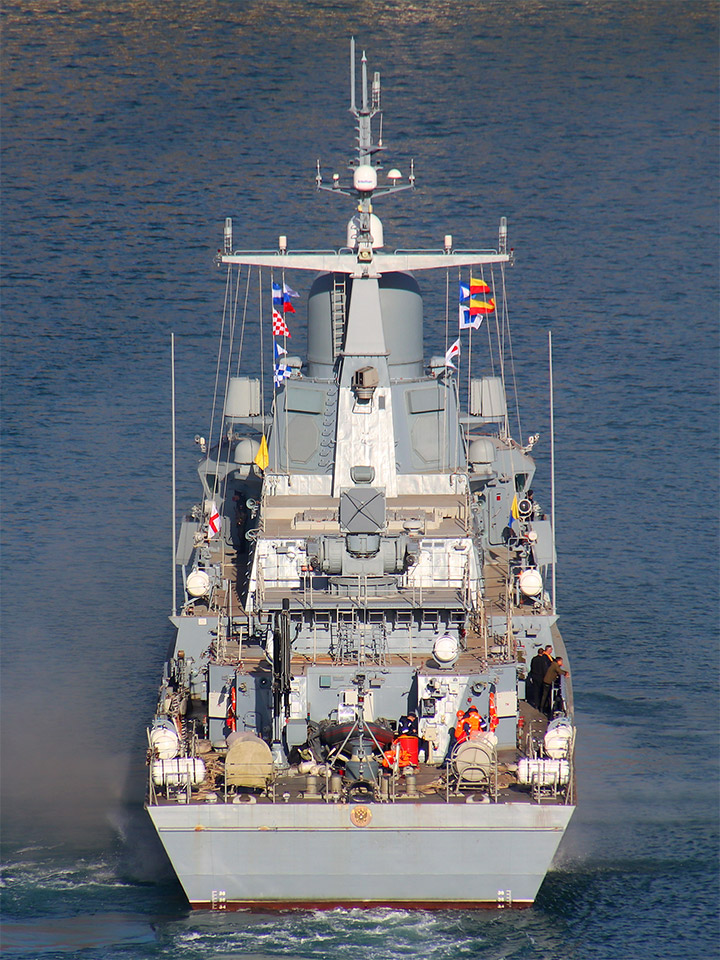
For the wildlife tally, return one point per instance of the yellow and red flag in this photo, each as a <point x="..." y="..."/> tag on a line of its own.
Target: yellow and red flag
<point x="476" y="306"/>
<point x="478" y="286"/>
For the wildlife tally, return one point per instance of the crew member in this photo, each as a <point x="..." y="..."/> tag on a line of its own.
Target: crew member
<point x="469" y="723"/>
<point x="534" y="683"/>
<point x="555" y="670"/>
<point x="549" y="658"/>
<point x="409" y="724"/>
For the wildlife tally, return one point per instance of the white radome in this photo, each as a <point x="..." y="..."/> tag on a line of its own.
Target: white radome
<point x="365" y="178"/>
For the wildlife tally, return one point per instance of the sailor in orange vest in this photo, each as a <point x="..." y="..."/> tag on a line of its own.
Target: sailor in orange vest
<point x="469" y="723"/>
<point x="405" y="746"/>
<point x="231" y="717"/>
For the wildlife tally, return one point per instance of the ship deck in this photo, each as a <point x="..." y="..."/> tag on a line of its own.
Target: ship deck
<point x="480" y="648"/>
<point x="426" y="783"/>
<point x="426" y="515"/>
<point x="313" y="595"/>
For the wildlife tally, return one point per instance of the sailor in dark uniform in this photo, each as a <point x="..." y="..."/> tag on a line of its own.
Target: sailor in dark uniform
<point x="409" y="724"/>
<point x="538" y="668"/>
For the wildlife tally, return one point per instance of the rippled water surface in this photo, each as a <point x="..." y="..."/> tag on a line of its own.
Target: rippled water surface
<point x="130" y="130"/>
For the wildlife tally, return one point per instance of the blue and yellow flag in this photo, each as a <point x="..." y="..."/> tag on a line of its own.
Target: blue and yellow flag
<point x="473" y="289"/>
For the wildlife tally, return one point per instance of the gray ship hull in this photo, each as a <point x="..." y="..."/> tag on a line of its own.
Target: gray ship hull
<point x="230" y="856"/>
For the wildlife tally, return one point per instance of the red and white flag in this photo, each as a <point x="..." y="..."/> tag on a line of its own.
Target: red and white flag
<point x="453" y="352"/>
<point x="213" y="520"/>
<point x="279" y="327"/>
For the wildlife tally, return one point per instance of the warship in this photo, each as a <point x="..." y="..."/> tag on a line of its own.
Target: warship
<point x="367" y="699"/>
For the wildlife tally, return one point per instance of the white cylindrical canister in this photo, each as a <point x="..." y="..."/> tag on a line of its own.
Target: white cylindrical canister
<point x="531" y="583"/>
<point x="164" y="740"/>
<point x="198" y="583"/>
<point x="558" y="738"/>
<point x="544" y="773"/>
<point x="177" y="773"/>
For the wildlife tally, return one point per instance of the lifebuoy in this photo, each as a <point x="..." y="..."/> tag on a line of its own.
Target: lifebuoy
<point x="231" y="718"/>
<point x="492" y="713"/>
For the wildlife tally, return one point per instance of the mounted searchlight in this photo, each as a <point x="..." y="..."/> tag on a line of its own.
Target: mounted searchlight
<point x="448" y="243"/>
<point x="445" y="650"/>
<point x="282" y="244"/>
<point x="525" y="508"/>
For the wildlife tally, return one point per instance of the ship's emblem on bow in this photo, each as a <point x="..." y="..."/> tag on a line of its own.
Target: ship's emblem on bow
<point x="361" y="816"/>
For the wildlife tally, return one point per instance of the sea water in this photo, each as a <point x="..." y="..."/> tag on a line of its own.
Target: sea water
<point x="130" y="131"/>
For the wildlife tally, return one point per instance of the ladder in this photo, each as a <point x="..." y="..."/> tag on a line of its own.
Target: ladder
<point x="337" y="312"/>
<point x="379" y="644"/>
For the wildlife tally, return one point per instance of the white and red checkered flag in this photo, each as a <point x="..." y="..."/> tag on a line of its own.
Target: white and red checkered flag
<point x="279" y="327"/>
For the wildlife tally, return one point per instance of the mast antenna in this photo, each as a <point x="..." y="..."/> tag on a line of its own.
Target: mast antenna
<point x="552" y="470"/>
<point x="353" y="108"/>
<point x="174" y="507"/>
<point x="363" y="64"/>
<point x="370" y="107"/>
